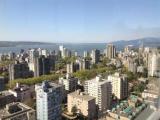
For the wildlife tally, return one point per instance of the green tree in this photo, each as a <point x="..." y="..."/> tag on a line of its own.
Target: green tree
<point x="139" y="88"/>
<point x="74" y="109"/>
<point x="131" y="76"/>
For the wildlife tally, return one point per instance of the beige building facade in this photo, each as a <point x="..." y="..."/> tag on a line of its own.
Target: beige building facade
<point x="119" y="85"/>
<point x="82" y="104"/>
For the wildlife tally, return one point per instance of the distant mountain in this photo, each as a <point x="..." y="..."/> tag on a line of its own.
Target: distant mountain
<point x="16" y="43"/>
<point x="150" y="42"/>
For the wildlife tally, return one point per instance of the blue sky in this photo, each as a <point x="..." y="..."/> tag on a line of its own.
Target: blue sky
<point x="78" y="20"/>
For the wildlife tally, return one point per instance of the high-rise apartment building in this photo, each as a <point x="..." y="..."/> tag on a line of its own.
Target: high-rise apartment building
<point x="42" y="66"/>
<point x="70" y="83"/>
<point x="119" y="85"/>
<point x="71" y="67"/>
<point x="64" y="52"/>
<point x="33" y="53"/>
<point x="19" y="70"/>
<point x="85" y="54"/>
<point x="132" y="65"/>
<point x="154" y="64"/>
<point x="95" y="55"/>
<point x="83" y="64"/>
<point x="48" y="100"/>
<point x="101" y="89"/>
<point x="111" y="51"/>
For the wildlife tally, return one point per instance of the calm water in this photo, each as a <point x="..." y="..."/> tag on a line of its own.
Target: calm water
<point x="74" y="47"/>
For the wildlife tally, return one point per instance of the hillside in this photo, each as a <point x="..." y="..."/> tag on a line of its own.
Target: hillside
<point x="150" y="42"/>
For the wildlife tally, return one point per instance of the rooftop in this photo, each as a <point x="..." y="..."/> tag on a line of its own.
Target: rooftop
<point x="118" y="75"/>
<point x="151" y="92"/>
<point x="98" y="79"/>
<point x="123" y="109"/>
<point x="133" y="98"/>
<point x="5" y="93"/>
<point x="14" y="109"/>
<point x="81" y="95"/>
<point x="20" y="88"/>
<point x="46" y="85"/>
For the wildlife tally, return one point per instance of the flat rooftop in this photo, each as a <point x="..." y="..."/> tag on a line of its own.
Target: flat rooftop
<point x="5" y="93"/>
<point x="48" y="84"/>
<point x="81" y="95"/>
<point x="14" y="109"/>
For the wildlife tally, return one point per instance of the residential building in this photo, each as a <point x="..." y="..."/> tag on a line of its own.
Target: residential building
<point x="85" y="54"/>
<point x="76" y="54"/>
<point x="2" y="83"/>
<point x="111" y="51"/>
<point x="127" y="49"/>
<point x="11" y="55"/>
<point x="72" y="67"/>
<point x="52" y="59"/>
<point x="5" y="98"/>
<point x="119" y="85"/>
<point x="22" y="92"/>
<point x="48" y="100"/>
<point x="42" y="66"/>
<point x="153" y="64"/>
<point x="132" y="65"/>
<point x="95" y="55"/>
<point x="127" y="110"/>
<point x="19" y="70"/>
<point x="64" y="52"/>
<point x="83" y="64"/>
<point x="45" y="52"/>
<point x="83" y="104"/>
<point x="101" y="89"/>
<point x="70" y="83"/>
<point x="33" y="53"/>
<point x="17" y="111"/>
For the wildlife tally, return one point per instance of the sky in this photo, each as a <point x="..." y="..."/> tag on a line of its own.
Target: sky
<point x="78" y="20"/>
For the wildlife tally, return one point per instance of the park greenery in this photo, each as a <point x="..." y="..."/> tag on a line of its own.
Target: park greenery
<point x="34" y="80"/>
<point x="89" y="74"/>
<point x="100" y="68"/>
<point x="82" y="75"/>
<point x="62" y="62"/>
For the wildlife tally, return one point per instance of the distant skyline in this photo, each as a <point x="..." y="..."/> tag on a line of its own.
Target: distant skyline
<point x="78" y="20"/>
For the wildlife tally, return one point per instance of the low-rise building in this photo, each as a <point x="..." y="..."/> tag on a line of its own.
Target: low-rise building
<point x="22" y="92"/>
<point x="126" y="110"/>
<point x="6" y="98"/>
<point x="82" y="103"/>
<point x="17" y="111"/>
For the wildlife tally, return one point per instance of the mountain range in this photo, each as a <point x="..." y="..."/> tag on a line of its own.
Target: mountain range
<point x="150" y="42"/>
